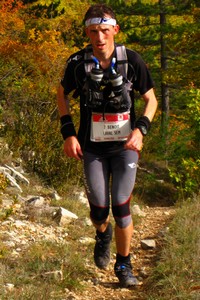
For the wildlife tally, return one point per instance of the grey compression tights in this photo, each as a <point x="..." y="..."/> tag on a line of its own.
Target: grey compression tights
<point x="110" y="178"/>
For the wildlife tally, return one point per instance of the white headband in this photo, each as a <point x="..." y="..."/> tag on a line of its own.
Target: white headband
<point x="98" y="21"/>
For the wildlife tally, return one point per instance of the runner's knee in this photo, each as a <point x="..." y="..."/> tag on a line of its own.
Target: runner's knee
<point x="98" y="214"/>
<point x="122" y="215"/>
<point x="123" y="222"/>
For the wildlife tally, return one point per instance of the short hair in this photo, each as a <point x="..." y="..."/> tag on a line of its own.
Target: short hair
<point x="99" y="11"/>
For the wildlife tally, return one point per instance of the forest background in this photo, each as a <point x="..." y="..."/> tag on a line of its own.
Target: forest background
<point x="36" y="38"/>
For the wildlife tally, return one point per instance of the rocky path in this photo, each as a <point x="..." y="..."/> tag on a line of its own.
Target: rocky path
<point x="105" y="286"/>
<point x="18" y="232"/>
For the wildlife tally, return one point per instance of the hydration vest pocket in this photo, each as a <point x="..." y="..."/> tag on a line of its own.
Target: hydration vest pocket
<point x="107" y="91"/>
<point x="95" y="99"/>
<point x="120" y="100"/>
<point x="108" y="99"/>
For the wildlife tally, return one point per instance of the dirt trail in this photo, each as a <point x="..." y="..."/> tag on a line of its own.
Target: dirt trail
<point x="105" y="285"/>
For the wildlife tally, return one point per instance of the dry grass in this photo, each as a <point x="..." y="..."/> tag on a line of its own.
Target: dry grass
<point x="46" y="270"/>
<point x="177" y="275"/>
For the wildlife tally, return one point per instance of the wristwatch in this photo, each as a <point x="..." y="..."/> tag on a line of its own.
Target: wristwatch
<point x="142" y="129"/>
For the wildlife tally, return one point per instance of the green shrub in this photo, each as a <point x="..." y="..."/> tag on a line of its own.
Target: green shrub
<point x="177" y="273"/>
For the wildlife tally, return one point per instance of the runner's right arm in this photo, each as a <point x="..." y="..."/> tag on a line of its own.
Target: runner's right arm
<point x="72" y="147"/>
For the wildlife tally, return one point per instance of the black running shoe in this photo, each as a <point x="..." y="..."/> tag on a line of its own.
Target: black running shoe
<point x="124" y="274"/>
<point x="102" y="248"/>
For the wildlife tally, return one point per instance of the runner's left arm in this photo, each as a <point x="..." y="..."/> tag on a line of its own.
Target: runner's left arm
<point x="135" y="139"/>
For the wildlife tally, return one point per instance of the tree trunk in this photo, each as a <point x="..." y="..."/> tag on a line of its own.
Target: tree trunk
<point x="163" y="61"/>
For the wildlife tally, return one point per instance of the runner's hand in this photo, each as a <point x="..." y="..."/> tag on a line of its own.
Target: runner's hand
<point x="134" y="140"/>
<point x="72" y="148"/>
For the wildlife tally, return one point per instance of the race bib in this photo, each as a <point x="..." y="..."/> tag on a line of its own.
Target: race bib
<point x="110" y="127"/>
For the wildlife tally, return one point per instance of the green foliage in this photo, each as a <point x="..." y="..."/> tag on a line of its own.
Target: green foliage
<point x="187" y="175"/>
<point x="4" y="252"/>
<point x="3" y="182"/>
<point x="5" y="213"/>
<point x="194" y="109"/>
<point x="36" y="39"/>
<point x="177" y="273"/>
<point x="31" y="68"/>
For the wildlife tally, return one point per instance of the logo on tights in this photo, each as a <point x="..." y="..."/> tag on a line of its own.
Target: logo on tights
<point x="132" y="165"/>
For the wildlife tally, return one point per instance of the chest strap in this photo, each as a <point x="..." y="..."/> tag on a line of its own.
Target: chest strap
<point x="121" y="60"/>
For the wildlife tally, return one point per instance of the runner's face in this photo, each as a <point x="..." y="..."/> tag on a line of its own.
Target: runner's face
<point x="102" y="37"/>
